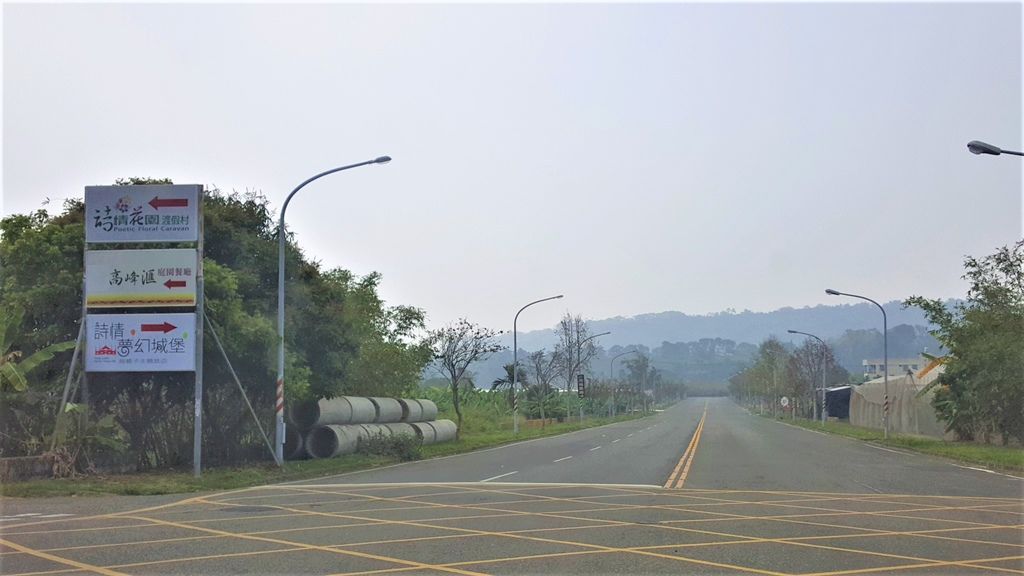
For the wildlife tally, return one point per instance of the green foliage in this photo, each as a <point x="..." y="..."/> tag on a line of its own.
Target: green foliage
<point x="981" y="391"/>
<point x="341" y="338"/>
<point x="402" y="447"/>
<point x="80" y="440"/>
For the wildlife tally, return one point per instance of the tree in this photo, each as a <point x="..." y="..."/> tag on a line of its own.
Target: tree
<point x="506" y="382"/>
<point x="803" y="374"/>
<point x="545" y="368"/>
<point x="455" y="347"/>
<point x="573" y="350"/>
<point x="982" y="388"/>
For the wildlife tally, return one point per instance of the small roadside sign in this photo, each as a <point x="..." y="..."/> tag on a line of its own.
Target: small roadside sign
<point x="150" y="213"/>
<point x="784" y="401"/>
<point x="140" y="343"/>
<point x="140" y="278"/>
<point x="581" y="385"/>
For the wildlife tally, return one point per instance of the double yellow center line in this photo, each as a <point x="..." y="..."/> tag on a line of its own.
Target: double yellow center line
<point x="678" y="476"/>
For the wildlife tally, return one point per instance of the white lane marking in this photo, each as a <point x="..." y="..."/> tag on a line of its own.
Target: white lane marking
<point x="33" y="516"/>
<point x="500" y="476"/>
<point x="594" y="448"/>
<point x="616" y="440"/>
<point x="886" y="449"/>
<point x="628" y="435"/>
<point x="988" y="471"/>
<point x="561" y="459"/>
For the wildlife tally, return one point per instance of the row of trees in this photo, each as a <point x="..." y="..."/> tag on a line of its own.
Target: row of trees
<point x="779" y="371"/>
<point x="461" y="344"/>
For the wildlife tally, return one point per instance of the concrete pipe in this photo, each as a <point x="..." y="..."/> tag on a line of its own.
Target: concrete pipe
<point x="331" y="440"/>
<point x="402" y="428"/>
<point x="340" y="410"/>
<point x="425" y="431"/>
<point x="387" y="410"/>
<point x="411" y="410"/>
<point x="429" y="410"/>
<point x="444" y="430"/>
<point x="368" y="431"/>
<point x="294" y="444"/>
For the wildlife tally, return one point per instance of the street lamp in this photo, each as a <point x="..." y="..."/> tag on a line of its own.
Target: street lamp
<point x="885" y="353"/>
<point x="611" y="375"/>
<point x="824" y="351"/>
<point x="979" y="147"/>
<point x="579" y="360"/>
<point x="515" y="363"/>
<point x="279" y="401"/>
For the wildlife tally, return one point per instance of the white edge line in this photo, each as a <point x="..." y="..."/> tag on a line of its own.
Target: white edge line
<point x="500" y="476"/>
<point x="595" y="448"/>
<point x="560" y="459"/>
<point x="989" y="471"/>
<point x="616" y="440"/>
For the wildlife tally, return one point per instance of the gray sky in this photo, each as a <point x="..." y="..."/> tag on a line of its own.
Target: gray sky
<point x="637" y="158"/>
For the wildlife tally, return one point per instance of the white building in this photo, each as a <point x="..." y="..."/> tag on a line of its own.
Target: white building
<point x="874" y="368"/>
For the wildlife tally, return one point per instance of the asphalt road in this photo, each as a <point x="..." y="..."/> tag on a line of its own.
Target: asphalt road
<point x="747" y="495"/>
<point x="736" y="450"/>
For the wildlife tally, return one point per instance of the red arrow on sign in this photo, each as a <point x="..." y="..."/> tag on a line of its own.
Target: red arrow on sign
<point x="157" y="203"/>
<point x="165" y="327"/>
<point x="174" y="284"/>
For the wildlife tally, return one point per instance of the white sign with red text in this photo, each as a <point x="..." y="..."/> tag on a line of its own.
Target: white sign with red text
<point x="140" y="343"/>
<point x="149" y="213"/>
<point x="140" y="278"/>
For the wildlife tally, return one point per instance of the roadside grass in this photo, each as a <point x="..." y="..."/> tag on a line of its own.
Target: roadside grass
<point x="478" y="434"/>
<point x="1006" y="458"/>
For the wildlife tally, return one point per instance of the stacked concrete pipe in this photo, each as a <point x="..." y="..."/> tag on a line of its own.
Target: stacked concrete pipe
<point x="336" y="426"/>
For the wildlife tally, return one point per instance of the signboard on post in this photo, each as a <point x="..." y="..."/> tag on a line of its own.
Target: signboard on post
<point x="581" y="385"/>
<point x="140" y="343"/>
<point x="784" y="401"/>
<point x="140" y="278"/>
<point x="151" y="213"/>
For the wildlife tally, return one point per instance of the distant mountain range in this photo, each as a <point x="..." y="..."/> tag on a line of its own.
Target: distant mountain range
<point x="709" y="348"/>
<point x="752" y="327"/>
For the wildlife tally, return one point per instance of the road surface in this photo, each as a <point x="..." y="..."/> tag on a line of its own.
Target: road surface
<point x="702" y="488"/>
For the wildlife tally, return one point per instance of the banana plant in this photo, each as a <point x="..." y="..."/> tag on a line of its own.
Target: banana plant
<point x="13" y="367"/>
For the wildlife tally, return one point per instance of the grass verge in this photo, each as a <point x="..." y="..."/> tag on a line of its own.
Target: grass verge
<point x="178" y="482"/>
<point x="1006" y="458"/>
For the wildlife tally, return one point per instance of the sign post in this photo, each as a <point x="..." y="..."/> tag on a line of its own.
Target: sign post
<point x="149" y="340"/>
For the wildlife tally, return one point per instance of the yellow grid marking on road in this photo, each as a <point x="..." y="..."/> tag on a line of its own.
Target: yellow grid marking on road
<point x="314" y="547"/>
<point x="546" y="540"/>
<point x="704" y="497"/>
<point x="59" y="560"/>
<point x="968" y="564"/>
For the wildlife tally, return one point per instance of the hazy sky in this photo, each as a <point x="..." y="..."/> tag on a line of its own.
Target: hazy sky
<point x="637" y="158"/>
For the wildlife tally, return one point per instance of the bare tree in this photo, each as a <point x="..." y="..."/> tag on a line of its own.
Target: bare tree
<point x="573" y="349"/>
<point x="455" y="347"/>
<point x="544" y="367"/>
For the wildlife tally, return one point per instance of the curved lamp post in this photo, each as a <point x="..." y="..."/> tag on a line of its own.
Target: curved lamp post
<point x="979" y="147"/>
<point x="279" y="398"/>
<point x="611" y="374"/>
<point x="515" y="363"/>
<point x="885" y="353"/>
<point x="579" y="360"/>
<point x="824" y="350"/>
